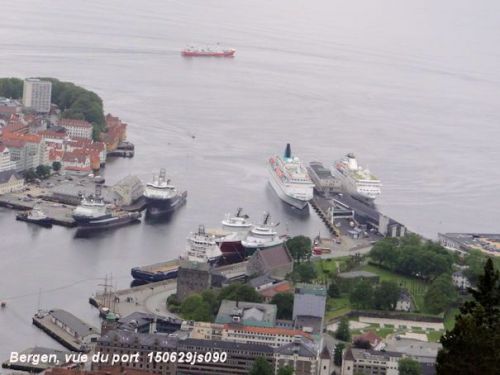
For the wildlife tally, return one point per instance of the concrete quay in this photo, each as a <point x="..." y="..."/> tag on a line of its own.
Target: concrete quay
<point x="148" y="298"/>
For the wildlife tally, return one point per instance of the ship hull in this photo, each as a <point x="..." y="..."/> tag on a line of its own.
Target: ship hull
<point x="278" y="188"/>
<point x="164" y="207"/>
<point x="152" y="277"/>
<point x="231" y="250"/>
<point x="46" y="223"/>
<point x="108" y="223"/>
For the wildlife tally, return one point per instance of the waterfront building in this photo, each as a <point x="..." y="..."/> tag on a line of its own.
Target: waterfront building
<point x="309" y="306"/>
<point x="116" y="132"/>
<point x="128" y="190"/>
<point x="77" y="328"/>
<point x="272" y="261"/>
<point x="247" y="313"/>
<point x="240" y="357"/>
<point x="370" y="362"/>
<point x="488" y="243"/>
<point x="77" y="161"/>
<point x="10" y="181"/>
<point x="37" y="95"/>
<point x="76" y="128"/>
<point x="300" y="355"/>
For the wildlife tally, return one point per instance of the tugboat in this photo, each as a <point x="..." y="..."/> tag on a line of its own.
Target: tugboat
<point x="35" y="216"/>
<point x="162" y="198"/>
<point x="262" y="236"/>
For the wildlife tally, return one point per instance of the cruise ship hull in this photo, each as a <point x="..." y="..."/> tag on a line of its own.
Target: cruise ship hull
<point x="164" y="207"/>
<point x="278" y="188"/>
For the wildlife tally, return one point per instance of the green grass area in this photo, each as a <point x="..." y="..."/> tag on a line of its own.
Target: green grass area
<point x="434" y="336"/>
<point x="449" y="318"/>
<point x="416" y="287"/>
<point x="326" y="268"/>
<point x="337" y="307"/>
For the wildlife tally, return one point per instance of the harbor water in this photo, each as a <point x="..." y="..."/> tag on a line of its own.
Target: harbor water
<point x="410" y="87"/>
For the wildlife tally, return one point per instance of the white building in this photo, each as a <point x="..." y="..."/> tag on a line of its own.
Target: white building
<point x="10" y="181"/>
<point x="76" y="128"/>
<point x="370" y="362"/>
<point x="37" y="94"/>
<point x="5" y="163"/>
<point x="404" y="302"/>
<point x="460" y="280"/>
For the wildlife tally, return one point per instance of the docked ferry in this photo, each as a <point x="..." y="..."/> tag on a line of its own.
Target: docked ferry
<point x="290" y="179"/>
<point x="357" y="181"/>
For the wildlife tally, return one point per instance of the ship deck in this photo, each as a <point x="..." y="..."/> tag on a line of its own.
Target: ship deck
<point x="161" y="267"/>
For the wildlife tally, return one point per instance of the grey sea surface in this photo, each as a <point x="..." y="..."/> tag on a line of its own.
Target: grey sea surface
<point x="411" y="87"/>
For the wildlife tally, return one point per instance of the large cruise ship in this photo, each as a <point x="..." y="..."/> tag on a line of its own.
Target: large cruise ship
<point x="161" y="196"/>
<point x="290" y="180"/>
<point x="356" y="180"/>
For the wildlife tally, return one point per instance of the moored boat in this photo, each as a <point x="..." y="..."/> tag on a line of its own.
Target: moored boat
<point x="262" y="236"/>
<point x="208" y="52"/>
<point x="35" y="216"/>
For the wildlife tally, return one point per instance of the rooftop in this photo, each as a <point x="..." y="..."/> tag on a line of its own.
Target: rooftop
<point x="225" y="345"/>
<point x="253" y="314"/>
<point x="312" y="289"/>
<point x="80" y="327"/>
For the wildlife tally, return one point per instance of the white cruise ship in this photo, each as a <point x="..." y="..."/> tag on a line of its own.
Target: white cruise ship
<point x="290" y="180"/>
<point x="202" y="247"/>
<point x="356" y="180"/>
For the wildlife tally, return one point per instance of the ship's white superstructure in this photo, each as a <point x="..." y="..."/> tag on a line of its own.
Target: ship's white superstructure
<point x="160" y="188"/>
<point x="356" y="180"/>
<point x="236" y="223"/>
<point x="290" y="179"/>
<point x="263" y="235"/>
<point x="202" y="247"/>
<point x="91" y="208"/>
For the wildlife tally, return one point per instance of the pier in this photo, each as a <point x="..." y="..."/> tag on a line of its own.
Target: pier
<point x="67" y="329"/>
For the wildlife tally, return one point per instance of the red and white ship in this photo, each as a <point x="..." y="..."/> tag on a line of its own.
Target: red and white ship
<point x="208" y="52"/>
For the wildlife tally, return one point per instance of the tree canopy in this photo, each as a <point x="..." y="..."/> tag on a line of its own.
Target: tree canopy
<point x="303" y="272"/>
<point x="337" y="354"/>
<point x="299" y="247"/>
<point x="361" y="295"/>
<point x="408" y="366"/>
<point x="284" y="303"/>
<point x="411" y="256"/>
<point x="261" y="367"/>
<point x="471" y="347"/>
<point x="440" y="294"/>
<point x="287" y="370"/>
<point x="343" y="333"/>
<point x="239" y="292"/>
<point x="11" y="88"/>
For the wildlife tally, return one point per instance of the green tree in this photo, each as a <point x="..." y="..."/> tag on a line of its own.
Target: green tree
<point x="471" y="347"/>
<point x="211" y="299"/>
<point x="337" y="354"/>
<point x="56" y="166"/>
<point x="239" y="292"/>
<point x="361" y="296"/>
<point x="42" y="171"/>
<point x="299" y="247"/>
<point x="440" y="294"/>
<point x="303" y="272"/>
<point x="408" y="366"/>
<point x="287" y="370"/>
<point x="195" y="308"/>
<point x="11" y="88"/>
<point x="343" y="333"/>
<point x="333" y="289"/>
<point x="30" y="175"/>
<point x="386" y="295"/>
<point x="284" y="303"/>
<point x="261" y="367"/>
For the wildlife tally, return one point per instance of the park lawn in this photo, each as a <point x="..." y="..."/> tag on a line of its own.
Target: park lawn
<point x="449" y="318"/>
<point x="327" y="267"/>
<point x="416" y="287"/>
<point x="434" y="336"/>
